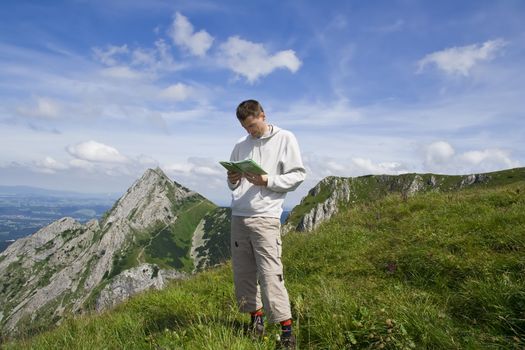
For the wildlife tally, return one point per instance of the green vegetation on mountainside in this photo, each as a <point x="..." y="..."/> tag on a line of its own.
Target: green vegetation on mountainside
<point x="171" y="247"/>
<point x="216" y="248"/>
<point x="166" y="245"/>
<point x="372" y="187"/>
<point x="437" y="270"/>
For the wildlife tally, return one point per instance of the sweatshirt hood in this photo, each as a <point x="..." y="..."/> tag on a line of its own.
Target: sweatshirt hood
<point x="273" y="130"/>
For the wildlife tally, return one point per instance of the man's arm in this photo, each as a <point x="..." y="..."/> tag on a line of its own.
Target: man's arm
<point x="294" y="172"/>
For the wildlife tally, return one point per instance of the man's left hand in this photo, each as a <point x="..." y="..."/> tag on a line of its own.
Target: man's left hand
<point x="256" y="179"/>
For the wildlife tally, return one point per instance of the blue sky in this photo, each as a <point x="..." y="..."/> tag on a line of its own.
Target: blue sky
<point x="95" y="92"/>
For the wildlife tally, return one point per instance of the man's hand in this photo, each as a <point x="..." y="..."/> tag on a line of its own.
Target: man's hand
<point x="257" y="180"/>
<point x="234" y="177"/>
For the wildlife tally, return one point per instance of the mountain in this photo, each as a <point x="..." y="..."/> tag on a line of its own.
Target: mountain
<point x="434" y="270"/>
<point x="145" y="239"/>
<point x="334" y="193"/>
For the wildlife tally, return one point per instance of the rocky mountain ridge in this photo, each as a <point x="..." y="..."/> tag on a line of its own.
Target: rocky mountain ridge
<point x="333" y="193"/>
<point x="67" y="267"/>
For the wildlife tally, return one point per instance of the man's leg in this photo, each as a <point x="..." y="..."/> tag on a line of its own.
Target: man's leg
<point x="266" y="241"/>
<point x="247" y="290"/>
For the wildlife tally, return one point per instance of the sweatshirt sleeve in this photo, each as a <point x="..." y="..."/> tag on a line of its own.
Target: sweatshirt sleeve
<point x="233" y="158"/>
<point x="293" y="172"/>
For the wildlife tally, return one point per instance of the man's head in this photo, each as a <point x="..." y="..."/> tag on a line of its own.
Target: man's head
<point x="251" y="116"/>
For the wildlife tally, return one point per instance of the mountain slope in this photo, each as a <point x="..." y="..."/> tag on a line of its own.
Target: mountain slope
<point x="63" y="268"/>
<point x="333" y="193"/>
<point x="433" y="270"/>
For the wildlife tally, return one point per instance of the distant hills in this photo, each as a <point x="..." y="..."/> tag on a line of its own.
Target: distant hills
<point x="37" y="191"/>
<point x="25" y="210"/>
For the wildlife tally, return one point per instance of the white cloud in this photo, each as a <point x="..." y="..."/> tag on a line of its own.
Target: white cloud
<point x="438" y="153"/>
<point x="178" y="168"/>
<point x="108" y="55"/>
<point x="195" y="166"/>
<point x="320" y="166"/>
<point x="45" y="108"/>
<point x="252" y="61"/>
<point x="49" y="165"/>
<point x="442" y="158"/>
<point x="207" y="170"/>
<point x="183" y="35"/>
<point x="177" y="92"/>
<point x="460" y="60"/>
<point x="124" y="62"/>
<point x="96" y="152"/>
<point x="489" y="158"/>
<point x="366" y="166"/>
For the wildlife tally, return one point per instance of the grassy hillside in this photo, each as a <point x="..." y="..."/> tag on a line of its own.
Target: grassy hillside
<point x="437" y="270"/>
<point x="373" y="187"/>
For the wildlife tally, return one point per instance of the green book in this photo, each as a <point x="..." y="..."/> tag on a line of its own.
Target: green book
<point x="244" y="166"/>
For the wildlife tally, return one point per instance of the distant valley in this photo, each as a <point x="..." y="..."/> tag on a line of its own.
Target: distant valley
<point x="25" y="210"/>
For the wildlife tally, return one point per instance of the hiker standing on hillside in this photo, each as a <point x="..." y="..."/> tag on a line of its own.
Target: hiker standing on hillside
<point x="257" y="202"/>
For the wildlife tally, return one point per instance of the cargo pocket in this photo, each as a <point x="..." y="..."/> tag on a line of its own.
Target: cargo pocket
<point x="279" y="248"/>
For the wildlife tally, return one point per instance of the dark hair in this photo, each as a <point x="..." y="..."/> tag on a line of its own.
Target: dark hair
<point x="249" y="108"/>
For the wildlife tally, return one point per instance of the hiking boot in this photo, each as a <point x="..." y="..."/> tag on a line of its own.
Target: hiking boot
<point x="286" y="343"/>
<point x="257" y="326"/>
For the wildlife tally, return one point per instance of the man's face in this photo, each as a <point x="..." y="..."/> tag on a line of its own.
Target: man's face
<point x="255" y="125"/>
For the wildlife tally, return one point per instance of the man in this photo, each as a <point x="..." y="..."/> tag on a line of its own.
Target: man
<point x="256" y="210"/>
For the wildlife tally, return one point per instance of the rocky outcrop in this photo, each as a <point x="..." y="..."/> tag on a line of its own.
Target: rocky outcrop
<point x="131" y="282"/>
<point x="320" y="213"/>
<point x="474" y="179"/>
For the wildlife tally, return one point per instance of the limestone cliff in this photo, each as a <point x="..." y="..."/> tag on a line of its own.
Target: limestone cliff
<point x="68" y="267"/>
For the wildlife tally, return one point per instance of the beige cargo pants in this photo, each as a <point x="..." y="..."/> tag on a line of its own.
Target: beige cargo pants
<point x="257" y="267"/>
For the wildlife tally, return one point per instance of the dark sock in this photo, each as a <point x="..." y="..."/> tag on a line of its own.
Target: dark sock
<point x="286" y="327"/>
<point x="257" y="316"/>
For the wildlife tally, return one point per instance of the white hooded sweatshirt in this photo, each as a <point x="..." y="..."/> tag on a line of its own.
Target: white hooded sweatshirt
<point x="277" y="152"/>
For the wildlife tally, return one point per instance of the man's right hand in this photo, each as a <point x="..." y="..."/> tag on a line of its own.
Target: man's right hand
<point x="234" y="177"/>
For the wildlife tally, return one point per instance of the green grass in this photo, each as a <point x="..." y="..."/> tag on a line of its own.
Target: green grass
<point x="171" y="247"/>
<point x="435" y="271"/>
<point x="373" y="187"/>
